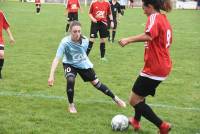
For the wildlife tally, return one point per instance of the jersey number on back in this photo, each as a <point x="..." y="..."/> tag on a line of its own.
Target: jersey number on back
<point x="169" y="35"/>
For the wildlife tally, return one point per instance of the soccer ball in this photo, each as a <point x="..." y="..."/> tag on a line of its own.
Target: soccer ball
<point x="119" y="123"/>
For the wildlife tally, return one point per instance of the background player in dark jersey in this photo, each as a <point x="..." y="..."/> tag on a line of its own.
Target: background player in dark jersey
<point x="4" y="25"/>
<point x="158" y="64"/>
<point x="116" y="12"/>
<point x="98" y="12"/>
<point x="123" y="4"/>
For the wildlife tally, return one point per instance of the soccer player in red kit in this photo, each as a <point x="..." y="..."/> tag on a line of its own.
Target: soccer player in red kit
<point x="72" y="8"/>
<point x="158" y="64"/>
<point x="98" y="12"/>
<point x="38" y="6"/>
<point x="3" y="25"/>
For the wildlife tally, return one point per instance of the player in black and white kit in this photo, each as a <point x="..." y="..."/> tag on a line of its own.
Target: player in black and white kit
<point x="116" y="11"/>
<point x="123" y="4"/>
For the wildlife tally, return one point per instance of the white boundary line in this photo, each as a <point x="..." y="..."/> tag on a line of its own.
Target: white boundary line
<point x="26" y="95"/>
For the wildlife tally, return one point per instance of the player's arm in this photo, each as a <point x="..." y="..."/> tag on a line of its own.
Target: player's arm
<point x="79" y="5"/>
<point x="110" y="17"/>
<point x="90" y="13"/>
<point x="92" y="18"/>
<point x="7" y="29"/>
<point x="138" y="38"/>
<point x="65" y="13"/>
<point x="59" y="55"/>
<point x="52" y="72"/>
<point x="119" y="13"/>
<point x="12" y="40"/>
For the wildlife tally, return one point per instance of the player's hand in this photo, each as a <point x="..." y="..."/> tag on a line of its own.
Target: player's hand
<point x="65" y="13"/>
<point x="50" y="81"/>
<point x="81" y="10"/>
<point x="118" y="21"/>
<point x="12" y="41"/>
<point x="123" y="42"/>
<point x="94" y="20"/>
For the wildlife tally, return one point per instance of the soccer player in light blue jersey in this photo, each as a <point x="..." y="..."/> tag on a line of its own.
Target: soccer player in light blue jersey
<point x="75" y="60"/>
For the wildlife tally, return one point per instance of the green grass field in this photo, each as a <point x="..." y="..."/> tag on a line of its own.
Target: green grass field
<point x="28" y="106"/>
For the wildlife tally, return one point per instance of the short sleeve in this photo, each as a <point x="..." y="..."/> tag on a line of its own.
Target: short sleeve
<point x="60" y="50"/>
<point x="152" y="26"/>
<point x="91" y="8"/>
<point x="5" y="22"/>
<point x="109" y="9"/>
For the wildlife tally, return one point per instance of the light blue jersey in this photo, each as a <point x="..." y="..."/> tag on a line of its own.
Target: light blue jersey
<point x="74" y="53"/>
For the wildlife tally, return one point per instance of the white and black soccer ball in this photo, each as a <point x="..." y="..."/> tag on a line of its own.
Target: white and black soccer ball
<point x="119" y="123"/>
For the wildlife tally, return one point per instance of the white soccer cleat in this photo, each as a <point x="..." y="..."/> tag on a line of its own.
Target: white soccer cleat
<point x="119" y="102"/>
<point x="72" y="108"/>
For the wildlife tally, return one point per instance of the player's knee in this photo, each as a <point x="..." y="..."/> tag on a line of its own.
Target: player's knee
<point x="102" y="40"/>
<point x="70" y="80"/>
<point x="95" y="82"/>
<point x="91" y="39"/>
<point x="1" y="54"/>
<point x="134" y="100"/>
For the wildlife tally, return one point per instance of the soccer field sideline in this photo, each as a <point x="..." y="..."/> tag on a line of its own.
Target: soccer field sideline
<point x="91" y="101"/>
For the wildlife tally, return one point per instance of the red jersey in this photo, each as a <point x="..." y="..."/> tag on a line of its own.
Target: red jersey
<point x="73" y="6"/>
<point x="157" y="58"/>
<point x="3" y="25"/>
<point x="37" y="2"/>
<point x="100" y="10"/>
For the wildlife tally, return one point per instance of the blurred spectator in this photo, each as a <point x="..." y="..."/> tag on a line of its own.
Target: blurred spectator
<point x="130" y="4"/>
<point x="198" y="5"/>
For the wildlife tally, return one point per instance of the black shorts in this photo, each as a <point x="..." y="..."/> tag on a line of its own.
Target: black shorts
<point x="72" y="16"/>
<point x="144" y="86"/>
<point x="86" y="74"/>
<point x="1" y="47"/>
<point x="100" y="27"/>
<point x="115" y="24"/>
<point x="123" y="7"/>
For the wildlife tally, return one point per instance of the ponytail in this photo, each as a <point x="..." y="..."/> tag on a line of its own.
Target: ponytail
<point x="166" y="5"/>
<point x="158" y="5"/>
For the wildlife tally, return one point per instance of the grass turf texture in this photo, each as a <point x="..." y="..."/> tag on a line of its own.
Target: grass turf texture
<point x="28" y="106"/>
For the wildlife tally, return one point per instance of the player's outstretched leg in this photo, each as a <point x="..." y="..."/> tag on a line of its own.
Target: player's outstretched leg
<point x="119" y="102"/>
<point x="103" y="88"/>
